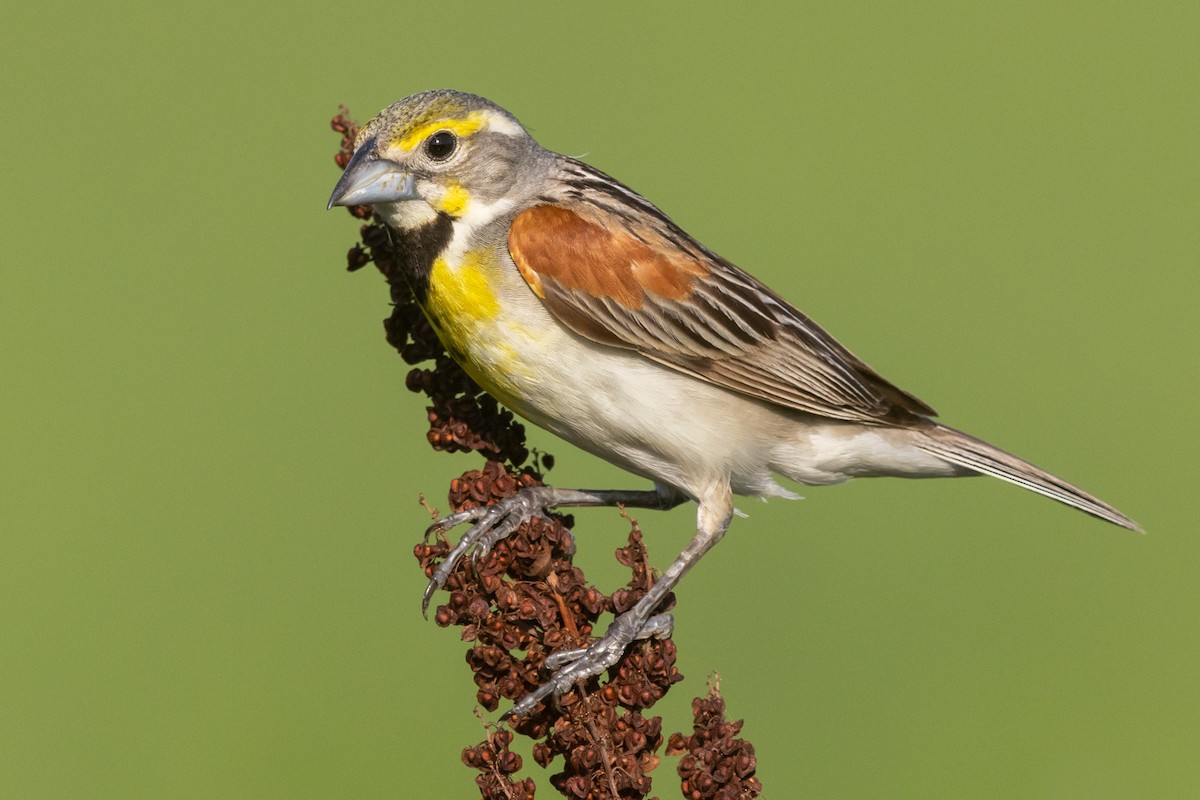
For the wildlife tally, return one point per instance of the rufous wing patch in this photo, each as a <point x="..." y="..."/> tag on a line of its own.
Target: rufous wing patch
<point x="632" y="284"/>
<point x="554" y="244"/>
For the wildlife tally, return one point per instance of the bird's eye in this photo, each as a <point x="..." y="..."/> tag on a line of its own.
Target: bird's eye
<point x="441" y="145"/>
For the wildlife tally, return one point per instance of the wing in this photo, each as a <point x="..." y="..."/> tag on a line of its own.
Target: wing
<point x="622" y="274"/>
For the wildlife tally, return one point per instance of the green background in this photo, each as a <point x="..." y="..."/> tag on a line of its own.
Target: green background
<point x="210" y="462"/>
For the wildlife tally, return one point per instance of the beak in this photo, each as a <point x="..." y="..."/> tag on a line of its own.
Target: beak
<point x="371" y="179"/>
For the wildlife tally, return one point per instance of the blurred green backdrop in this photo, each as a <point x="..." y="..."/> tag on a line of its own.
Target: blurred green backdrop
<point x="211" y="464"/>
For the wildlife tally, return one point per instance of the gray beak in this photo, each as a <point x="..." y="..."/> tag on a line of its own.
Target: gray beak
<point x="371" y="179"/>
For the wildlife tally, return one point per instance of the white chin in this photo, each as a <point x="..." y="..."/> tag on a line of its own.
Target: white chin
<point x="407" y="214"/>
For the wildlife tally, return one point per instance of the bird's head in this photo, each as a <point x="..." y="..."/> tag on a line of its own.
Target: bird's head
<point x="438" y="152"/>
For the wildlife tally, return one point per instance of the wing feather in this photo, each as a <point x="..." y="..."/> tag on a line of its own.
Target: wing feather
<point x="637" y="281"/>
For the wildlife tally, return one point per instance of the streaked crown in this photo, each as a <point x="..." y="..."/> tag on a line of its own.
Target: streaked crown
<point x="406" y="123"/>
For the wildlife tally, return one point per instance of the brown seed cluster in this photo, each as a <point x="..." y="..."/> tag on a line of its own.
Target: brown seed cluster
<point x="526" y="595"/>
<point x="606" y="753"/>
<point x="718" y="764"/>
<point x="497" y="763"/>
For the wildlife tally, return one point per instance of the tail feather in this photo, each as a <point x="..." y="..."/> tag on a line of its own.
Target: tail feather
<point x="967" y="451"/>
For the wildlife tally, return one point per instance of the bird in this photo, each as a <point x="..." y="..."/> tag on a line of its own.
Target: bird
<point x="585" y="309"/>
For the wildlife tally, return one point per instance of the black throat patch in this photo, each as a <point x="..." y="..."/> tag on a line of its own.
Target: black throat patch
<point x="415" y="251"/>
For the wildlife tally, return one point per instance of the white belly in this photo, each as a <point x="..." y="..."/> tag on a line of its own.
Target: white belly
<point x="664" y="425"/>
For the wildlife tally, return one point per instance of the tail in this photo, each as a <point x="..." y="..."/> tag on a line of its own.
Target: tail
<point x="967" y="451"/>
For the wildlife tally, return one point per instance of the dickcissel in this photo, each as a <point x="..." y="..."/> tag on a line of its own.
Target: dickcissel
<point x="582" y="307"/>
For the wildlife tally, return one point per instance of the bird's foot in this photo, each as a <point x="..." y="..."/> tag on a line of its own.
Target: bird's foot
<point x="489" y="525"/>
<point x="572" y="667"/>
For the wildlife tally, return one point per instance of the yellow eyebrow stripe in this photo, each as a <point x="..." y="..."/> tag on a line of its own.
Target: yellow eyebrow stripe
<point x="461" y="127"/>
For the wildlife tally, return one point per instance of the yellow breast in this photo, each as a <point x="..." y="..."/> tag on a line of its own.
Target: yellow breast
<point x="465" y="310"/>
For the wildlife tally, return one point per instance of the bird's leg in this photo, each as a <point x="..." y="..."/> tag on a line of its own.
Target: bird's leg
<point x="490" y="524"/>
<point x="641" y="621"/>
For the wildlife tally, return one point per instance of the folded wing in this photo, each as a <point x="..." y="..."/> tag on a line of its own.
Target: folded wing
<point x="639" y="282"/>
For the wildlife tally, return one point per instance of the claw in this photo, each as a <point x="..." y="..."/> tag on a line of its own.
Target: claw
<point x="492" y="523"/>
<point x="577" y="665"/>
<point x="442" y="573"/>
<point x="452" y="520"/>
<point x="528" y="702"/>
<point x="489" y="525"/>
